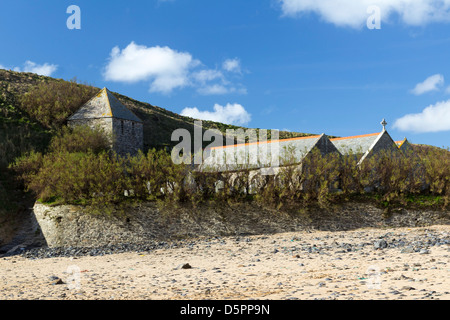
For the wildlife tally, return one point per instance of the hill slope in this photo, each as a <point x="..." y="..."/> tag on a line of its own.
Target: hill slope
<point x="21" y="132"/>
<point x="159" y="123"/>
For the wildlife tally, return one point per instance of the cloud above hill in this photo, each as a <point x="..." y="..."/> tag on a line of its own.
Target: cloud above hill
<point x="229" y="114"/>
<point x="45" y="69"/>
<point x="167" y="69"/>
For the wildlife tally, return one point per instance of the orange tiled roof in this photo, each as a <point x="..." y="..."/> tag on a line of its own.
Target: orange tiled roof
<point x="268" y="141"/>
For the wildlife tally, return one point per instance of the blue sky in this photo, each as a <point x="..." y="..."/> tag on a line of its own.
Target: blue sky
<point x="301" y="65"/>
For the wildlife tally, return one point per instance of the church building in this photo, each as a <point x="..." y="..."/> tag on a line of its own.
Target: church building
<point x="107" y="112"/>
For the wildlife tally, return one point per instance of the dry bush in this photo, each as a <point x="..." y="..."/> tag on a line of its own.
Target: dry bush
<point x="80" y="139"/>
<point x="101" y="178"/>
<point x="75" y="178"/>
<point x="436" y="168"/>
<point x="53" y="102"/>
<point x="393" y="176"/>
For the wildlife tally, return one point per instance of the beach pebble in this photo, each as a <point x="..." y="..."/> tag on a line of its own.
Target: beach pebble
<point x="380" y="244"/>
<point x="54" y="280"/>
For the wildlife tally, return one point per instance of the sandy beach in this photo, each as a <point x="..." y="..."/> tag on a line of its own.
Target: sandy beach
<point x="380" y="264"/>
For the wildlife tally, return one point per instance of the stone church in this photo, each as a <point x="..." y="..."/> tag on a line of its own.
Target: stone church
<point x="362" y="147"/>
<point x="105" y="111"/>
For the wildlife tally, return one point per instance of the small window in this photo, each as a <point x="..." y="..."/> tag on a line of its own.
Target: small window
<point x="132" y="128"/>
<point x="121" y="126"/>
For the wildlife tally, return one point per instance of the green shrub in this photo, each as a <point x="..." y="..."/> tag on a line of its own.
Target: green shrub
<point x="18" y="138"/>
<point x="436" y="163"/>
<point x="74" y="178"/>
<point x="84" y="176"/>
<point x="154" y="175"/>
<point x="393" y="176"/>
<point x="321" y="177"/>
<point x="311" y="182"/>
<point x="51" y="103"/>
<point x="80" y="139"/>
<point x="351" y="177"/>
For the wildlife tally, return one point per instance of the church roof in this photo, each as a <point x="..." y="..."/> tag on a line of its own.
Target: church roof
<point x="365" y="145"/>
<point x="299" y="147"/>
<point x="299" y="140"/>
<point x="104" y="105"/>
<point x="362" y="146"/>
<point x="404" y="145"/>
<point x="355" y="144"/>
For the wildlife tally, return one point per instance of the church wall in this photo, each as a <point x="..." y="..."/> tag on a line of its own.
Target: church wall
<point x="106" y="124"/>
<point x="128" y="136"/>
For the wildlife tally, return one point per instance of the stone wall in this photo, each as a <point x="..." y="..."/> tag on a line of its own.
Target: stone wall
<point x="128" y="136"/>
<point x="325" y="146"/>
<point x="384" y="144"/>
<point x="106" y="124"/>
<point x="74" y="226"/>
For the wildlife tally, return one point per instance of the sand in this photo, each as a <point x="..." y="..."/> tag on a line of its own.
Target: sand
<point x="299" y="265"/>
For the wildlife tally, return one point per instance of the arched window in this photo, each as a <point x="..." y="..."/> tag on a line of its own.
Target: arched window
<point x="121" y="126"/>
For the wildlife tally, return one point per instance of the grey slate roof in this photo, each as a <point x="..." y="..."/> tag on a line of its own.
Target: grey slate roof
<point x="297" y="148"/>
<point x="366" y="145"/>
<point x="355" y="144"/>
<point x="104" y="105"/>
<point x="404" y="145"/>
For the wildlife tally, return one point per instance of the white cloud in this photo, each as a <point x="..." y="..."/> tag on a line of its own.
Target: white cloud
<point x="215" y="89"/>
<point x="220" y="89"/>
<point x="430" y="84"/>
<point x="447" y="91"/>
<point x="229" y="114"/>
<point x="434" y="118"/>
<point x="232" y="65"/>
<point x="167" y="69"/>
<point x="41" y="69"/>
<point x="206" y="75"/>
<point x="354" y="13"/>
<point x="214" y="82"/>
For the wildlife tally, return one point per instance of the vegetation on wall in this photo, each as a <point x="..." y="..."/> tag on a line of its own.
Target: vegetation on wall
<point x="53" y="102"/>
<point x="18" y="134"/>
<point x="62" y="165"/>
<point x="102" y="178"/>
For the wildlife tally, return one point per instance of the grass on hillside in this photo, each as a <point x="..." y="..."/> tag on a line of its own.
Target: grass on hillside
<point x="33" y="109"/>
<point x="32" y="112"/>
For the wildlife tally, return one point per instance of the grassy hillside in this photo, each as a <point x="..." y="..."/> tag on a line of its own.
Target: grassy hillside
<point x="33" y="110"/>
<point x="22" y="129"/>
<point x="18" y="134"/>
<point x="159" y="124"/>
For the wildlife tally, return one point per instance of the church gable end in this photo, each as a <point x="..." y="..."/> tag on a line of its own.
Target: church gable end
<point x="105" y="111"/>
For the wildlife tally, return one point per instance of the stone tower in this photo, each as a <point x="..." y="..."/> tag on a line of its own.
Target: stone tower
<point x="107" y="112"/>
